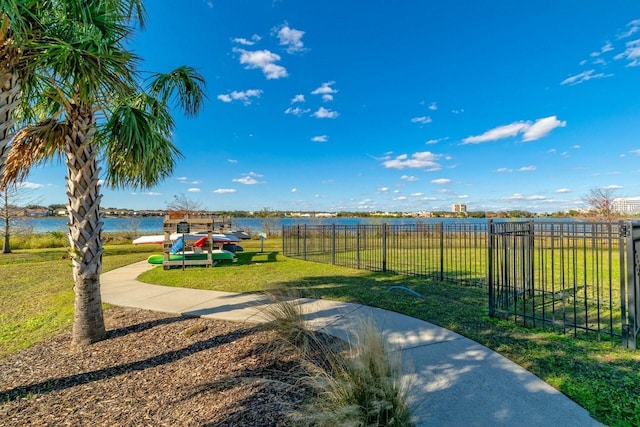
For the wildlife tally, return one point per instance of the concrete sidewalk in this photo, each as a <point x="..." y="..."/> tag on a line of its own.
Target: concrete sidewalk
<point x="455" y="381"/>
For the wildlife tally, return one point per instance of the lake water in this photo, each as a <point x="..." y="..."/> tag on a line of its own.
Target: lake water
<point x="153" y="225"/>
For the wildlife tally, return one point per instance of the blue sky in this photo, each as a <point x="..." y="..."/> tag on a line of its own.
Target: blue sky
<point x="396" y="106"/>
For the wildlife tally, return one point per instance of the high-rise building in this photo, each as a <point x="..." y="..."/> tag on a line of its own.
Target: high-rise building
<point x="458" y="207"/>
<point x="628" y="205"/>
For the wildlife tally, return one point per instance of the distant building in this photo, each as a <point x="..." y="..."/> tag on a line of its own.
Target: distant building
<point x="627" y="206"/>
<point x="459" y="208"/>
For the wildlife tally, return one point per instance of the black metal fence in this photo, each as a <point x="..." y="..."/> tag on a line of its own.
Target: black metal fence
<point x="442" y="251"/>
<point x="574" y="276"/>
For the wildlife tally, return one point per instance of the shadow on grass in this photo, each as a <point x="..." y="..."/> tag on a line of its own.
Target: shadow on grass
<point x="245" y="258"/>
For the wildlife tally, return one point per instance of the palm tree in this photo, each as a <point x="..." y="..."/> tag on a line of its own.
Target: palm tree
<point x="101" y="109"/>
<point x="17" y="24"/>
<point x="30" y="31"/>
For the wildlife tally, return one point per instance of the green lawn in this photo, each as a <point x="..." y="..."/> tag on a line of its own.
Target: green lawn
<point x="602" y="378"/>
<point x="36" y="292"/>
<point x="36" y="301"/>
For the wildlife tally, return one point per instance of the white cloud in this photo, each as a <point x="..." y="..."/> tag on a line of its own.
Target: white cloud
<point x="383" y="189"/>
<point x="325" y="90"/>
<point x="530" y="131"/>
<point x="248" y="179"/>
<point x="542" y="127"/>
<point x="562" y="191"/>
<point x="246" y="42"/>
<point x="225" y="190"/>
<point x="182" y="178"/>
<point x="264" y="60"/>
<point x="441" y="181"/>
<point x="324" y="113"/>
<point x="634" y="27"/>
<point x="193" y="190"/>
<point x="291" y="38"/>
<point x="503" y="170"/>
<point x="294" y="190"/>
<point x="232" y="161"/>
<point x="153" y="193"/>
<point x="30" y="185"/>
<point x="320" y="138"/>
<point x="584" y="77"/>
<point x="298" y="98"/>
<point x="516" y="196"/>
<point x="420" y="160"/>
<point x="631" y="53"/>
<point x="433" y="106"/>
<point x="423" y="120"/>
<point x="297" y="111"/>
<point x="499" y="132"/>
<point x="613" y="187"/>
<point x="436" y="140"/>
<point x="417" y="194"/>
<point x="527" y="169"/>
<point x="636" y="152"/>
<point x="409" y="178"/>
<point x="244" y="96"/>
<point x="604" y="49"/>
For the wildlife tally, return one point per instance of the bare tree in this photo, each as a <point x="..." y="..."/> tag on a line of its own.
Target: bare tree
<point x="10" y="200"/>
<point x="600" y="202"/>
<point x="183" y="206"/>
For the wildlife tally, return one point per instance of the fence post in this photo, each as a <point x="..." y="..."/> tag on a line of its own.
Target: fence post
<point x="384" y="246"/>
<point x="333" y="244"/>
<point x="442" y="251"/>
<point x="531" y="255"/>
<point x="492" y="308"/>
<point x="633" y="287"/>
<point x="304" y="241"/>
<point x="627" y="272"/>
<point x="358" y="246"/>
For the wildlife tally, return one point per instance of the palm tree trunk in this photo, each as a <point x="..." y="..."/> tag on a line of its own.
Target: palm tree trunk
<point x="85" y="226"/>
<point x="9" y="100"/>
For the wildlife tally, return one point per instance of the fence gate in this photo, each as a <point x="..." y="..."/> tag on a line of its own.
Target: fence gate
<point x="511" y="272"/>
<point x="633" y="285"/>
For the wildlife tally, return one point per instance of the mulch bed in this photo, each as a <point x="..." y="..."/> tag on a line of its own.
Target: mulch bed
<point x="155" y="369"/>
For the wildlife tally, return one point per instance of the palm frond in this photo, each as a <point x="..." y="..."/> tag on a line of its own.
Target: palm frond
<point x="31" y="146"/>
<point x="137" y="147"/>
<point x="184" y="87"/>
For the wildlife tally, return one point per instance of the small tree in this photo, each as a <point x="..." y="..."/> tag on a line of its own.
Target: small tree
<point x="183" y="206"/>
<point x="10" y="200"/>
<point x="600" y="202"/>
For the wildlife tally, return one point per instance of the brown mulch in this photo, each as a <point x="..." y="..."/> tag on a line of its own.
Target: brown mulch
<point x="155" y="369"/>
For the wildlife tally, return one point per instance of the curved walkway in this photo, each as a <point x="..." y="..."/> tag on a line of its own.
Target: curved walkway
<point x="455" y="381"/>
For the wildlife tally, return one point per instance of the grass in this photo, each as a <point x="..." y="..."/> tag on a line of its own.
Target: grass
<point x="36" y="301"/>
<point x="36" y="292"/>
<point x="601" y="377"/>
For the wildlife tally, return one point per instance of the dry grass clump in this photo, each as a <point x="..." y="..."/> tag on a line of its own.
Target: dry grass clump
<point x="354" y="385"/>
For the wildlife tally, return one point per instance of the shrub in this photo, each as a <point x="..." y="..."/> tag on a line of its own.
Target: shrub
<point x="359" y="387"/>
<point x="364" y="389"/>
